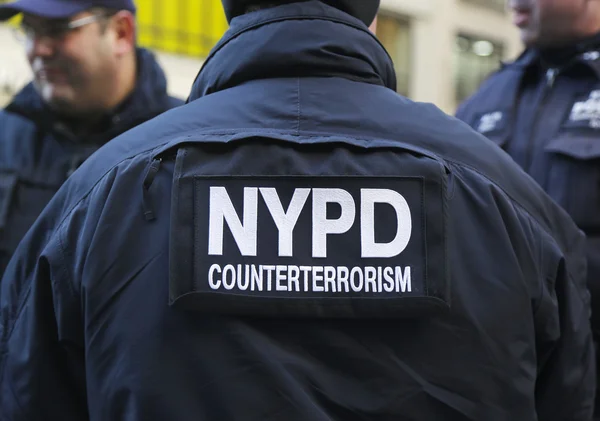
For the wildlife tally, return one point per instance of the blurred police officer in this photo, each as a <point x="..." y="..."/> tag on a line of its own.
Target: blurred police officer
<point x="298" y="243"/>
<point x="544" y="110"/>
<point x="90" y="85"/>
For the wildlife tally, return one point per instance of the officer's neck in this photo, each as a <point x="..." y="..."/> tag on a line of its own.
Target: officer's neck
<point x="554" y="57"/>
<point x="124" y="82"/>
<point x="83" y="123"/>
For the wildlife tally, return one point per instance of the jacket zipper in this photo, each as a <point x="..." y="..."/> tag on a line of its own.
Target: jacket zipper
<point x="551" y="75"/>
<point x="151" y="171"/>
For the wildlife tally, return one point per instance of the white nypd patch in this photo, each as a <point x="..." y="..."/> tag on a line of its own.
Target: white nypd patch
<point x="586" y="112"/>
<point x="309" y="246"/>
<point x="490" y="122"/>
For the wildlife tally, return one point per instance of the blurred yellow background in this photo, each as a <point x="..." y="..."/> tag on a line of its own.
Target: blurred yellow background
<point x="188" y="27"/>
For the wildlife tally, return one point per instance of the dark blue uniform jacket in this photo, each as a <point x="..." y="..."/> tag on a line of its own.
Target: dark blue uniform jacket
<point x="544" y="110"/>
<point x="38" y="151"/>
<point x="298" y="242"/>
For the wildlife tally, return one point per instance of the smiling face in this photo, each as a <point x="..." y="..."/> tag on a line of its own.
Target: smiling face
<point x="74" y="61"/>
<point x="546" y="23"/>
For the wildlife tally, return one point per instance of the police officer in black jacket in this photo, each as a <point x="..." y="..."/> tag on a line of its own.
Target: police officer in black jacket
<point x="90" y="84"/>
<point x="544" y="110"/>
<point x="298" y="242"/>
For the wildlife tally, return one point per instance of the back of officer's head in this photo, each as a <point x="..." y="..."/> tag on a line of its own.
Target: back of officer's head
<point x="365" y="10"/>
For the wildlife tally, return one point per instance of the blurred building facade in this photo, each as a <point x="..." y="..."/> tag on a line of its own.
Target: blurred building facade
<point x="442" y="49"/>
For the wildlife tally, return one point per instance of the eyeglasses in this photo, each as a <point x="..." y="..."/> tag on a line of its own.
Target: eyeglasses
<point x="56" y="30"/>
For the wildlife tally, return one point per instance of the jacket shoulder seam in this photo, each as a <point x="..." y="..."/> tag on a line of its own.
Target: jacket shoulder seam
<point x="511" y="197"/>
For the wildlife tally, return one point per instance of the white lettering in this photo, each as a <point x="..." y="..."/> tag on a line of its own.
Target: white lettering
<point x="269" y="270"/>
<point x="389" y="281"/>
<point x="488" y="122"/>
<point x="285" y="221"/>
<point x="370" y="279"/>
<point x="356" y="273"/>
<point x="229" y="272"/>
<point x="281" y="275"/>
<point x="257" y="279"/>
<point x="330" y="278"/>
<point x="221" y="208"/>
<point x="294" y="278"/>
<point x="317" y="277"/>
<point x="305" y="270"/>
<point x="243" y="286"/>
<point x="369" y="248"/>
<point x="403" y="280"/>
<point x="321" y="226"/>
<point x="342" y="278"/>
<point x="214" y="285"/>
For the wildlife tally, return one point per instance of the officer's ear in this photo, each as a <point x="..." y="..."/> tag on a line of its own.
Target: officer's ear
<point x="373" y="26"/>
<point x="122" y="26"/>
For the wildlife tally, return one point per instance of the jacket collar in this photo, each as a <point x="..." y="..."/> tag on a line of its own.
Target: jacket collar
<point x="304" y="39"/>
<point x="150" y="93"/>
<point x="586" y="52"/>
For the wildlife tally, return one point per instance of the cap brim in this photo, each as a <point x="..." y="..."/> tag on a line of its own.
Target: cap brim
<point x="51" y="9"/>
